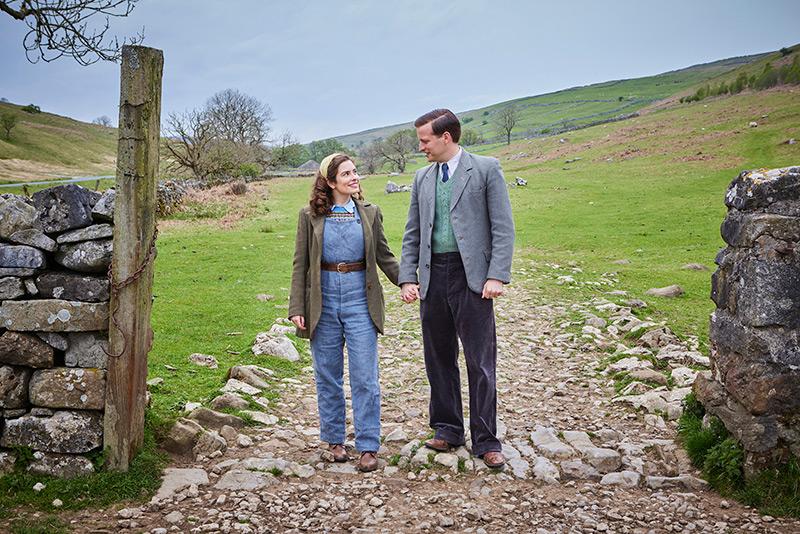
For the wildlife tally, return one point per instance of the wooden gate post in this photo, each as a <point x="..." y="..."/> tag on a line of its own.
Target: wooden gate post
<point x="130" y="334"/>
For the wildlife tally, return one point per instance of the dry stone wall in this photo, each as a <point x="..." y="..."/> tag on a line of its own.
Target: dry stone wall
<point x="754" y="386"/>
<point x="55" y="249"/>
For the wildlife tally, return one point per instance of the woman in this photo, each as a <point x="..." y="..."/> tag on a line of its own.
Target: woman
<point x="336" y="298"/>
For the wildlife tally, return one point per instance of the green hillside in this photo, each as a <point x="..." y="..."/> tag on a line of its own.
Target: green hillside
<point x="578" y="106"/>
<point x="46" y="146"/>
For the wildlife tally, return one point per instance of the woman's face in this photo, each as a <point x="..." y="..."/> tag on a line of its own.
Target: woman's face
<point x="347" y="179"/>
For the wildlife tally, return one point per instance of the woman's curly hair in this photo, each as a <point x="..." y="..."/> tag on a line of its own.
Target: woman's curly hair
<point x="321" y="193"/>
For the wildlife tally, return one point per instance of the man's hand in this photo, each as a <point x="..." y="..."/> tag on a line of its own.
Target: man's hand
<point x="492" y="288"/>
<point x="299" y="321"/>
<point x="409" y="293"/>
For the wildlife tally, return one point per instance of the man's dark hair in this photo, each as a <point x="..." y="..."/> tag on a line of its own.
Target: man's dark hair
<point x="442" y="120"/>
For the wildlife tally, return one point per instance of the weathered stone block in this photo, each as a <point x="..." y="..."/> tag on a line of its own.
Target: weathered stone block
<point x="57" y="341"/>
<point x="11" y="288"/>
<point x="72" y="286"/>
<point x="767" y="292"/>
<point x="53" y="315"/>
<point x="753" y="190"/>
<point x="757" y="433"/>
<point x="86" y="256"/>
<point x="96" y="231"/>
<point x="12" y="271"/>
<point x="104" y="209"/>
<point x="21" y="257"/>
<point x="34" y="238"/>
<point x="87" y="349"/>
<point x="15" y="214"/>
<point x="23" y="349"/>
<point x="60" y="465"/>
<point x="209" y="419"/>
<point x="743" y="229"/>
<point x="71" y="432"/>
<point x="182" y="436"/>
<point x="80" y="389"/>
<point x="65" y="207"/>
<point x="14" y="387"/>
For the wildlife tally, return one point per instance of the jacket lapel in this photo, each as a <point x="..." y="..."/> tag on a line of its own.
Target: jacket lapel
<point x="427" y="193"/>
<point x="461" y="177"/>
<point x="318" y="224"/>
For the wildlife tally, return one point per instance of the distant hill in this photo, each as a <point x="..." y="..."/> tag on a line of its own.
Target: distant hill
<point x="579" y="106"/>
<point x="47" y="146"/>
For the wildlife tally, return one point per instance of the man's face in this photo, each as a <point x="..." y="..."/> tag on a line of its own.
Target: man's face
<point x="435" y="147"/>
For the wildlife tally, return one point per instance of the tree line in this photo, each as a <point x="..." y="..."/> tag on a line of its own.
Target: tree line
<point x="788" y="74"/>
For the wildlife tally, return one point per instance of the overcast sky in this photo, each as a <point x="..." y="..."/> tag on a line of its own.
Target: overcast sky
<point x="335" y="67"/>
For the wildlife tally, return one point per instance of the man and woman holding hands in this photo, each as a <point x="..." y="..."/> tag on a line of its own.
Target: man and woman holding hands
<point x="456" y="258"/>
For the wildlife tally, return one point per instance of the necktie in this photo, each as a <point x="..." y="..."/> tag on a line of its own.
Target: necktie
<point x="445" y="175"/>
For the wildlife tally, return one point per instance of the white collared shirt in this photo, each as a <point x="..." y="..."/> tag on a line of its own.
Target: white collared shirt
<point x="452" y="164"/>
<point x="350" y="207"/>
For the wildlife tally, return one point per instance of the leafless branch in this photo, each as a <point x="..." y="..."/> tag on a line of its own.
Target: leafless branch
<point x="58" y="28"/>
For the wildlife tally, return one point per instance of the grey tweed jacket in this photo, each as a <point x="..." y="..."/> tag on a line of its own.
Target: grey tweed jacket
<point x="480" y="212"/>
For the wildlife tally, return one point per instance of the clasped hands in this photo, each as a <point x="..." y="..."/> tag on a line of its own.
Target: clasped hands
<point x="491" y="289"/>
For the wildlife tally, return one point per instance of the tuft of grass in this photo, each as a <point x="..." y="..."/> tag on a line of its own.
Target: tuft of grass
<point x="712" y="449"/>
<point x="192" y="211"/>
<point x="275" y="471"/>
<point x="39" y="525"/>
<point x="462" y="465"/>
<point x="394" y="459"/>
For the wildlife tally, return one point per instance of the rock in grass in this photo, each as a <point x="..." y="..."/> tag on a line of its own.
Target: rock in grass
<point x="280" y="346"/>
<point x="203" y="360"/>
<point x="182" y="436"/>
<point x="694" y="267"/>
<point x="215" y="420"/>
<point x="668" y="291"/>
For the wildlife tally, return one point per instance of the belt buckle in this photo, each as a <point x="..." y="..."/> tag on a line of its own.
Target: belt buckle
<point x="339" y="267"/>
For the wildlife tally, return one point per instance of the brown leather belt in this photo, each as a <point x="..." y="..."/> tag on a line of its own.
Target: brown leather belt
<point x="344" y="267"/>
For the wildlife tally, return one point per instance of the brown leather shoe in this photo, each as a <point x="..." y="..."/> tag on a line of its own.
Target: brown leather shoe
<point x="338" y="451"/>
<point x="438" y="444"/>
<point x="368" y="462"/>
<point x="494" y="459"/>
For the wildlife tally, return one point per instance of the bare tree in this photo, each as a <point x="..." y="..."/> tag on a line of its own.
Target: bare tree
<point x="369" y="157"/>
<point x="505" y="120"/>
<point x="396" y="148"/>
<point x="239" y="118"/>
<point x="103" y="120"/>
<point x="8" y="121"/>
<point x="191" y="143"/>
<point x="72" y="28"/>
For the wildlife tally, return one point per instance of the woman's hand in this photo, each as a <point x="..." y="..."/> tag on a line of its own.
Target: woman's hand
<point x="299" y="321"/>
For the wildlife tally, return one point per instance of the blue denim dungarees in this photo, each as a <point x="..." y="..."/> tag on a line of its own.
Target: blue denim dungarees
<point x="345" y="319"/>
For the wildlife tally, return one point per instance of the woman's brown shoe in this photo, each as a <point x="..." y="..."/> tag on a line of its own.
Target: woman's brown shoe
<point x="339" y="452"/>
<point x="367" y="462"/>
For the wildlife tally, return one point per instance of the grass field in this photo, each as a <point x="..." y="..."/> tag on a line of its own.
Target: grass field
<point x="47" y="146"/>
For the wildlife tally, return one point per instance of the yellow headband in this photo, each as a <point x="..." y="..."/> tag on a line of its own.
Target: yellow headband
<point x="326" y="161"/>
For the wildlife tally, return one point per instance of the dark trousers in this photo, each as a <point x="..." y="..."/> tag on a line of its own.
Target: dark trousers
<point x="449" y="312"/>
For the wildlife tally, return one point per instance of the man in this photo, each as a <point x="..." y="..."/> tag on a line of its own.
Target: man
<point x="457" y="249"/>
